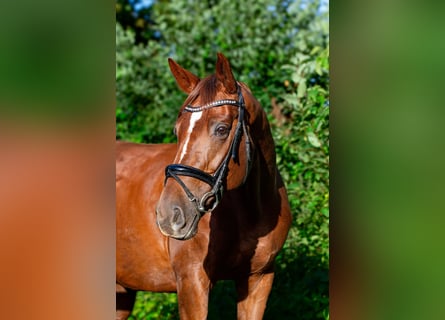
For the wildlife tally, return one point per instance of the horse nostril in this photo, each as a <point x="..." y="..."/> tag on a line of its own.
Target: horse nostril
<point x="178" y="218"/>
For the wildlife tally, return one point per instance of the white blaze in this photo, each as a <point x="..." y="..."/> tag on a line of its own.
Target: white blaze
<point x="193" y="119"/>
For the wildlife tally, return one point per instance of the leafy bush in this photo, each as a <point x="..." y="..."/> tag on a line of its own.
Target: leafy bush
<point x="146" y="108"/>
<point x="257" y="36"/>
<point x="154" y="306"/>
<point x="301" y="133"/>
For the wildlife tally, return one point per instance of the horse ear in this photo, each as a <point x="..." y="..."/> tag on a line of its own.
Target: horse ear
<point x="186" y="80"/>
<point x="224" y="73"/>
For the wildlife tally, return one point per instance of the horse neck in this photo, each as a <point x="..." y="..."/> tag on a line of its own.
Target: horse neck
<point x="265" y="156"/>
<point x="261" y="135"/>
<point x="260" y="193"/>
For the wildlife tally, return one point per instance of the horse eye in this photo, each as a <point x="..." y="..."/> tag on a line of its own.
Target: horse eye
<point x="222" y="130"/>
<point x="174" y="131"/>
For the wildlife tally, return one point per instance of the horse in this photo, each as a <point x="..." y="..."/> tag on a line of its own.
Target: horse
<point x="210" y="207"/>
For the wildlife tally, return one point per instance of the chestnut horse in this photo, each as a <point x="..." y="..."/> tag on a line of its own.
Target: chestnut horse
<point x="211" y="207"/>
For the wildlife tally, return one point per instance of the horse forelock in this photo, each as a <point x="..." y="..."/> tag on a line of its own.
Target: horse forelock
<point x="206" y="90"/>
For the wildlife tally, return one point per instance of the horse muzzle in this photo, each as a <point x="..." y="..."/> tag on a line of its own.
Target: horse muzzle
<point x="177" y="222"/>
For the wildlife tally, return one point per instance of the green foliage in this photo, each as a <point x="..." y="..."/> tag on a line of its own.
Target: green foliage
<point x="301" y="133"/>
<point x="280" y="49"/>
<point x="255" y="34"/>
<point x="143" y="91"/>
<point x="154" y="306"/>
<point x="137" y="20"/>
<point x="258" y="36"/>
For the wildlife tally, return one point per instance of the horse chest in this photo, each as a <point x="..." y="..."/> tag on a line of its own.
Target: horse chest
<point x="241" y="254"/>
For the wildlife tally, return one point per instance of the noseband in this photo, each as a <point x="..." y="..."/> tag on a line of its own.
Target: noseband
<point x="215" y="180"/>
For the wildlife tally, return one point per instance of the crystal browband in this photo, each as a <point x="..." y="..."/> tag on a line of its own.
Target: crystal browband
<point x="218" y="103"/>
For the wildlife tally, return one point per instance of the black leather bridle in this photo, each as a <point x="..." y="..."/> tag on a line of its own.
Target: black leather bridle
<point x="215" y="180"/>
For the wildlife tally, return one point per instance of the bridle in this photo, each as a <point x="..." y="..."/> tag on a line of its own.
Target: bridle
<point x="216" y="179"/>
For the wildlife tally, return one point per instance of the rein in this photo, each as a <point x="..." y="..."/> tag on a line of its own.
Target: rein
<point x="215" y="180"/>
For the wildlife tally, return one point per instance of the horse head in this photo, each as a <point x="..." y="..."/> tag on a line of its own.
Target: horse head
<point x="214" y="151"/>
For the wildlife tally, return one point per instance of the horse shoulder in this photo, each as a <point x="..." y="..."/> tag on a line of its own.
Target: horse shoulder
<point x="271" y="242"/>
<point x="142" y="261"/>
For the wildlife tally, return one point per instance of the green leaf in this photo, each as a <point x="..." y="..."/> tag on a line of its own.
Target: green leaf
<point x="313" y="140"/>
<point x="301" y="89"/>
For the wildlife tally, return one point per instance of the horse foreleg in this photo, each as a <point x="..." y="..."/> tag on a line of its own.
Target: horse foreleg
<point x="193" y="296"/>
<point x="252" y="295"/>
<point x="124" y="302"/>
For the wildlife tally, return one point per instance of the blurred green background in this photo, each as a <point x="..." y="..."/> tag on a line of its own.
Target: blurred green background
<point x="53" y="69"/>
<point x="281" y="50"/>
<point x="387" y="150"/>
